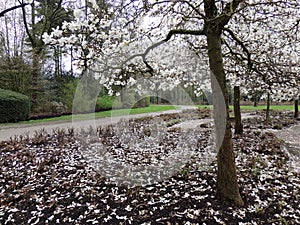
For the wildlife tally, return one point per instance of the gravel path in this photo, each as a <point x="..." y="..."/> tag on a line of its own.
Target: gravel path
<point x="6" y="132"/>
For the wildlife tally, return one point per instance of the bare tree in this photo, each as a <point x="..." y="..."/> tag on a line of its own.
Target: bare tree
<point x="43" y="16"/>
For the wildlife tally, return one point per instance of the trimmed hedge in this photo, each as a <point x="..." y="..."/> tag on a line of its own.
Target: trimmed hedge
<point x="13" y="106"/>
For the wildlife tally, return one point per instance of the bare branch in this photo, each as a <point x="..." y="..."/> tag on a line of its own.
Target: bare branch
<point x="241" y="43"/>
<point x="219" y="21"/>
<point x="184" y="32"/>
<point x="31" y="38"/>
<point x="12" y="8"/>
<point x="194" y="8"/>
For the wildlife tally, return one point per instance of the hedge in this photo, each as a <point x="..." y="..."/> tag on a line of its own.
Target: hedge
<point x="13" y="106"/>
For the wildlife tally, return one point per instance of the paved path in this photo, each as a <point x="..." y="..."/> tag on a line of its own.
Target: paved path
<point x="291" y="136"/>
<point x="29" y="129"/>
<point x="192" y="124"/>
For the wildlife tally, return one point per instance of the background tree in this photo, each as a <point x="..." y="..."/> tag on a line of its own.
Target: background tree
<point x="15" y="69"/>
<point x="296" y="105"/>
<point x="267" y="67"/>
<point x="39" y="18"/>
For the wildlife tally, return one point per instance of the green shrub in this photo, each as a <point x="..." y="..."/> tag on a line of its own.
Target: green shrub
<point x="105" y="102"/>
<point x="13" y="106"/>
<point x="144" y="102"/>
<point x="67" y="92"/>
<point x="128" y="100"/>
<point x="82" y="102"/>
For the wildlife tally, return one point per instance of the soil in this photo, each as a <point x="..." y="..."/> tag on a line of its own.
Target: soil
<point x="47" y="179"/>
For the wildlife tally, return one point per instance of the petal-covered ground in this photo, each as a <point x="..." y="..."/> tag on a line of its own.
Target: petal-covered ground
<point x="49" y="180"/>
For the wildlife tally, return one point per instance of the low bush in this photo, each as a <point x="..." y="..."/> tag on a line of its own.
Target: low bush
<point x="13" y="106"/>
<point x="144" y="102"/>
<point x="105" y="102"/>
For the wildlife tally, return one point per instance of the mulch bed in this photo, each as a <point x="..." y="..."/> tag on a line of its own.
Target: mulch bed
<point x="47" y="180"/>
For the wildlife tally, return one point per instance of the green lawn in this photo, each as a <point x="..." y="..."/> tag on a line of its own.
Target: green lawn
<point x="151" y="108"/>
<point x="260" y="107"/>
<point x="272" y="107"/>
<point x="117" y="112"/>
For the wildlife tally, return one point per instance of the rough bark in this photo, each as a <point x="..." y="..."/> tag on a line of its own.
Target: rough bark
<point x="296" y="108"/>
<point x="36" y="73"/>
<point x="255" y="100"/>
<point x="238" y="125"/>
<point x="227" y="185"/>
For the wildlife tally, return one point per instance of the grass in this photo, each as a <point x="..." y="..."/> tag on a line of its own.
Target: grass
<point x="151" y="108"/>
<point x="260" y="107"/>
<point x="264" y="107"/>
<point x="116" y="112"/>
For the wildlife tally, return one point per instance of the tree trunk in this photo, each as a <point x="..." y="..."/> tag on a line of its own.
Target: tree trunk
<point x="255" y="100"/>
<point x="238" y="126"/>
<point x="227" y="185"/>
<point x="296" y="106"/>
<point x="268" y="108"/>
<point x="36" y="69"/>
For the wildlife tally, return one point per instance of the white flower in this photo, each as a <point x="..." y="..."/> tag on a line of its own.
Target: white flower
<point x="121" y="217"/>
<point x="74" y="26"/>
<point x="46" y="38"/>
<point x="77" y="13"/>
<point x="131" y="81"/>
<point x="94" y="3"/>
<point x="103" y="80"/>
<point x="57" y="32"/>
<point x="84" y="44"/>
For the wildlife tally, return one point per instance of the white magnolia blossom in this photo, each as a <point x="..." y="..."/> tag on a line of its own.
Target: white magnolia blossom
<point x="272" y="40"/>
<point x="109" y="43"/>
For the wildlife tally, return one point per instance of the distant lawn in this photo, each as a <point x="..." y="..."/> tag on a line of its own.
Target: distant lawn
<point x="204" y="106"/>
<point x="260" y="107"/>
<point x="264" y="107"/>
<point x="117" y="112"/>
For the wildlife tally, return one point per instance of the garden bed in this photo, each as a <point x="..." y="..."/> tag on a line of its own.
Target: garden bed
<point x="49" y="180"/>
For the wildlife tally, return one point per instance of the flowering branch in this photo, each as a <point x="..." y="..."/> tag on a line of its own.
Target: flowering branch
<point x="168" y="37"/>
<point x="241" y="43"/>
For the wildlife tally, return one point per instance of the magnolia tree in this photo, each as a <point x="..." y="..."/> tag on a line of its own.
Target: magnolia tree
<point x="267" y="67"/>
<point x="138" y="38"/>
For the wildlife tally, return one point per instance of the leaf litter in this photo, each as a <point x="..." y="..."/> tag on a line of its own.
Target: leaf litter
<point x="48" y="180"/>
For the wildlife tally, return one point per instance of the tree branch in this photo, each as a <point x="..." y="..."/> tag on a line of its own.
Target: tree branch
<point x="241" y="44"/>
<point x="12" y="8"/>
<point x="155" y="45"/>
<point x="31" y="38"/>
<point x="219" y="21"/>
<point x="194" y="8"/>
<point x="168" y="37"/>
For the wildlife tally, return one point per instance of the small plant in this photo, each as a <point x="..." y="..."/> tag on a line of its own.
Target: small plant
<point x="259" y="210"/>
<point x="173" y="122"/>
<point x="185" y="172"/>
<point x="283" y="220"/>
<point x="40" y="137"/>
<point x="256" y="170"/>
